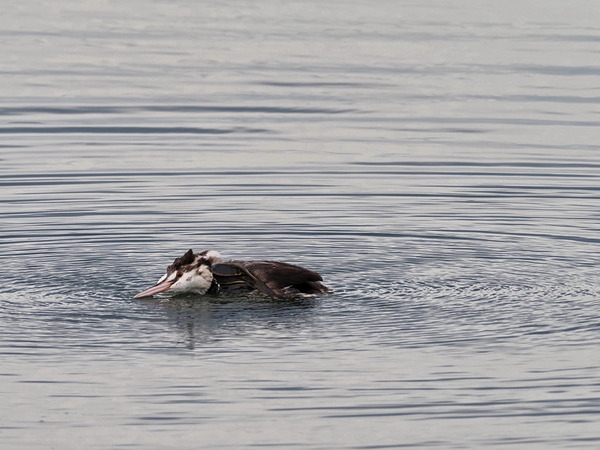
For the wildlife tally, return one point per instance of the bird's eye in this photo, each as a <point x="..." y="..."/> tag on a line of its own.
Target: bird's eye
<point x="179" y="274"/>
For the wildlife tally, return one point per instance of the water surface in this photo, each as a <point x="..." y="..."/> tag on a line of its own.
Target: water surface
<point x="436" y="162"/>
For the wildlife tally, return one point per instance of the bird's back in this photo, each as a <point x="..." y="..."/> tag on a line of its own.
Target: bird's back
<point x="272" y="278"/>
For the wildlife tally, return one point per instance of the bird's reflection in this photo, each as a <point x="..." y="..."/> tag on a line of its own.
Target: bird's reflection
<point x="205" y="321"/>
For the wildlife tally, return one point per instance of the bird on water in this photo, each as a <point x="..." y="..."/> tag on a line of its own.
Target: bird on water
<point x="207" y="273"/>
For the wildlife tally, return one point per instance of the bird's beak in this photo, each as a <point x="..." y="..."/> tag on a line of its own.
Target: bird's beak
<point x="159" y="287"/>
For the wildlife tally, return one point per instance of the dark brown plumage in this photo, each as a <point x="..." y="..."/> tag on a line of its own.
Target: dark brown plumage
<point x="272" y="278"/>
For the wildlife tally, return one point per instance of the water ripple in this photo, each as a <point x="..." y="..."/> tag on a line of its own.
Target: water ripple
<point x="125" y="130"/>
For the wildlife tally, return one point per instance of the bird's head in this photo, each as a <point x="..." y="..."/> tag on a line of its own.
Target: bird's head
<point x="190" y="273"/>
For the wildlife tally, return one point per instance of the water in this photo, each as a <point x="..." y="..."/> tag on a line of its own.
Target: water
<point x="435" y="161"/>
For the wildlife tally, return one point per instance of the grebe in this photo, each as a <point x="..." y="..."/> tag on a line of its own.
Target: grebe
<point x="206" y="273"/>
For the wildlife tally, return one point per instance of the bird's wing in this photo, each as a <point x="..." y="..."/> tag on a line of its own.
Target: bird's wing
<point x="277" y="275"/>
<point x="269" y="277"/>
<point x="233" y="276"/>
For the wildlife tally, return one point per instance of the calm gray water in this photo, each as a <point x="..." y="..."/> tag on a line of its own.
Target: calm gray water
<point x="436" y="161"/>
